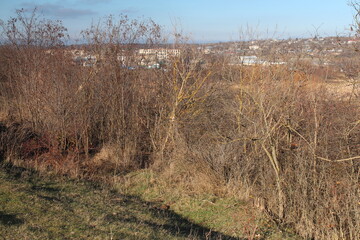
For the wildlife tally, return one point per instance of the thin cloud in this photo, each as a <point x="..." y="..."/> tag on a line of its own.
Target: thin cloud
<point x="129" y="11"/>
<point x="56" y="10"/>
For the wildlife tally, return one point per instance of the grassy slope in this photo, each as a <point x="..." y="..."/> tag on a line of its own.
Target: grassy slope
<point x="33" y="207"/>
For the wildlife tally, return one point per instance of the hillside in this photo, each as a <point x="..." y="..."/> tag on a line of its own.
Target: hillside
<point x="45" y="207"/>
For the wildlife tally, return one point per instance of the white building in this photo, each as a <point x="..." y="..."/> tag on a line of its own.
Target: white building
<point x="254" y="47"/>
<point x="160" y="53"/>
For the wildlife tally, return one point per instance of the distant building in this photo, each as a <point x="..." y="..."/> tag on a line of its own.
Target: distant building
<point x="249" y="60"/>
<point x="254" y="60"/>
<point x="160" y="53"/>
<point x="254" y="47"/>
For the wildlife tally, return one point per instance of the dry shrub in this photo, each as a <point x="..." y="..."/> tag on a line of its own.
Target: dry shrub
<point x="192" y="178"/>
<point x="263" y="130"/>
<point x="110" y="160"/>
<point x="276" y="138"/>
<point x="259" y="131"/>
<point x="79" y="109"/>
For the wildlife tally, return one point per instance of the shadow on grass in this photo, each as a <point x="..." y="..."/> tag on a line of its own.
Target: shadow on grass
<point x="10" y="219"/>
<point x="175" y="224"/>
<point x="124" y="212"/>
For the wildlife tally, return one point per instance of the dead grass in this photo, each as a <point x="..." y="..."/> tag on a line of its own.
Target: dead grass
<point x="339" y="87"/>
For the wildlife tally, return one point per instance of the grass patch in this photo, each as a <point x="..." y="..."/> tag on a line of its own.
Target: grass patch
<point x="34" y="207"/>
<point x="231" y="216"/>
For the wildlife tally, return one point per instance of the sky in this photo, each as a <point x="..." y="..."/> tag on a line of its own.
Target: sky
<point x="204" y="20"/>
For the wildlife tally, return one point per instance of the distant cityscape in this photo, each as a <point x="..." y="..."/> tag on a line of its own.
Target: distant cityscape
<point x="315" y="51"/>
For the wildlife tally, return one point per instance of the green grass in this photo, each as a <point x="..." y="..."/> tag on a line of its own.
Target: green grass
<point x="49" y="207"/>
<point x="33" y="207"/>
<point x="227" y="215"/>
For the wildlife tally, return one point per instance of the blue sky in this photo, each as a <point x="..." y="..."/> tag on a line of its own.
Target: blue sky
<point x="204" y="20"/>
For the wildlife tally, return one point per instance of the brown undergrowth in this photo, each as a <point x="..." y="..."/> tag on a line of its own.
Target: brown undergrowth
<point x="269" y="134"/>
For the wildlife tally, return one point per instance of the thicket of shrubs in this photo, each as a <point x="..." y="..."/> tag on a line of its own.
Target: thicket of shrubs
<point x="292" y="145"/>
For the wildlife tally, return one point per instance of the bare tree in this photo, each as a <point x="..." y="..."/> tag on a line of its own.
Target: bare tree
<point x="29" y="29"/>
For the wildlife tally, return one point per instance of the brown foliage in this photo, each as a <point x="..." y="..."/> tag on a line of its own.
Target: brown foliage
<point x="265" y="130"/>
